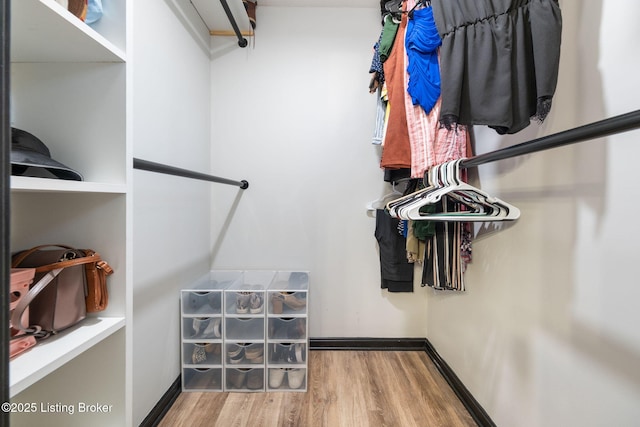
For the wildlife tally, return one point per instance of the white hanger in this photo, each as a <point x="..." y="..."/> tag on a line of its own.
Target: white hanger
<point x="431" y="176"/>
<point x="444" y="181"/>
<point x="374" y="205"/>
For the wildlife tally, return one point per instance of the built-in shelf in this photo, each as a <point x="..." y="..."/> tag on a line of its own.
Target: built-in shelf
<point x="31" y="184"/>
<point x="44" y="31"/>
<point x="70" y="87"/>
<point x="55" y="351"/>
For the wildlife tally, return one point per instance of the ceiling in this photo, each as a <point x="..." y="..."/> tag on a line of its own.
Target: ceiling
<point x="319" y="3"/>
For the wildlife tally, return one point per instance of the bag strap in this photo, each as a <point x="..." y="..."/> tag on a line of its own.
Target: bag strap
<point x="94" y="257"/>
<point x="16" y="317"/>
<point x="18" y="258"/>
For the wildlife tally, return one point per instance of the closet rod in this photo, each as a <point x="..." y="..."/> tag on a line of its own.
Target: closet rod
<point x="171" y="170"/>
<point x="242" y="42"/>
<point x="610" y="126"/>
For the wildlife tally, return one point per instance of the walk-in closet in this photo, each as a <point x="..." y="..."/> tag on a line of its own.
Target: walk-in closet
<point x="236" y="179"/>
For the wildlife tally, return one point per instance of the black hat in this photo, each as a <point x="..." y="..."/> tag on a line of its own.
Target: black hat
<point x="28" y="152"/>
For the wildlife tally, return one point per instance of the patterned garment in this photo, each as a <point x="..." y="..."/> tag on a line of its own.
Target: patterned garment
<point x="431" y="144"/>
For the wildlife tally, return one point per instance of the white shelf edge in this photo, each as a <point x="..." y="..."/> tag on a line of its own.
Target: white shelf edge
<point x="25" y="183"/>
<point x="54" y="352"/>
<point x="64" y="25"/>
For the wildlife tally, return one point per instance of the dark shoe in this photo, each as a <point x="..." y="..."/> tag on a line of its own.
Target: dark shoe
<point x="236" y="377"/>
<point x="255" y="379"/>
<point x="235" y="353"/>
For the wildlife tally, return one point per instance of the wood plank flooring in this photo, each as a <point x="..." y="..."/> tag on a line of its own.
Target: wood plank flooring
<point x="346" y="388"/>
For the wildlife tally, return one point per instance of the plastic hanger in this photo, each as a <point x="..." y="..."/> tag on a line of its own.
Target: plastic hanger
<point x="379" y="203"/>
<point x="482" y="206"/>
<point x="431" y="183"/>
<point x="444" y="181"/>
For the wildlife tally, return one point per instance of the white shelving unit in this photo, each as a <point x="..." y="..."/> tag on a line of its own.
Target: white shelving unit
<point x="69" y="89"/>
<point x="58" y="350"/>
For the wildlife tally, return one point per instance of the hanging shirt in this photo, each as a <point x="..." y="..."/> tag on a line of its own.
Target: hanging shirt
<point x="421" y="42"/>
<point x="499" y="60"/>
<point x="396" y="153"/>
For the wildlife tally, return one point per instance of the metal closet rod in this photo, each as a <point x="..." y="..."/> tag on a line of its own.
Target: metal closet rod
<point x="610" y="126"/>
<point x="171" y="170"/>
<point x="242" y="42"/>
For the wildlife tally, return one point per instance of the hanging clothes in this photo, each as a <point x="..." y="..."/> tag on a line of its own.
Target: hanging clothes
<point x="414" y="141"/>
<point x="499" y="61"/>
<point x="431" y="144"/>
<point x="396" y="153"/>
<point x="445" y="254"/>
<point x="396" y="273"/>
<point x="421" y="43"/>
<point x="387" y="37"/>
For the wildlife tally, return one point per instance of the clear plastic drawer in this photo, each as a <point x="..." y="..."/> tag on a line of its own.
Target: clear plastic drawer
<point x="287" y="379"/>
<point x="244" y="379"/>
<point x="287" y="353"/>
<point x="287" y="302"/>
<point x="244" y="353"/>
<point x="208" y="328"/>
<point x="249" y="302"/>
<point x="202" y="379"/>
<point x="287" y="328"/>
<point x="202" y="353"/>
<point x="202" y="303"/>
<point x="244" y="329"/>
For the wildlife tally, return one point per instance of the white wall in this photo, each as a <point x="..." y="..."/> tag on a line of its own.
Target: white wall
<point x="170" y="214"/>
<point x="292" y="115"/>
<point x="546" y="334"/>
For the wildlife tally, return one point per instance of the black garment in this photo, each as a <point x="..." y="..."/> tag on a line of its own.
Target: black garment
<point x="394" y="175"/>
<point x="498" y="61"/>
<point x="396" y="272"/>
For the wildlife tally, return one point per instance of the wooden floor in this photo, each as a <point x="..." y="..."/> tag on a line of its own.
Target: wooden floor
<point x="346" y="388"/>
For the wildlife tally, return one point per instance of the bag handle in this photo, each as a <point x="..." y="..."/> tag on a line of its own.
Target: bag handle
<point x="16" y="317"/>
<point x="17" y="260"/>
<point x="94" y="257"/>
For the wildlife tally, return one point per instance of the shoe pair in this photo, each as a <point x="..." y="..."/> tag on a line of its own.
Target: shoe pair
<point x="287" y="328"/>
<point x="254" y="378"/>
<point x="289" y="299"/>
<point x="295" y="377"/>
<point x="204" y="302"/>
<point x="253" y="353"/>
<point x="249" y="302"/>
<point x="207" y="327"/>
<point x="288" y="353"/>
<point x="203" y="352"/>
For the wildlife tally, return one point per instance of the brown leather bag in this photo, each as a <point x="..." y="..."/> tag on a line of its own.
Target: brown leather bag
<point x="68" y="283"/>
